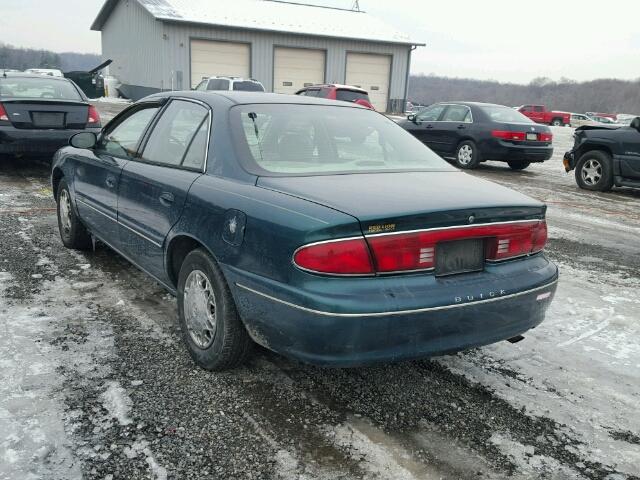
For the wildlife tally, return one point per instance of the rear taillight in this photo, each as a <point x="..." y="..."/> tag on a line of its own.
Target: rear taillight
<point x="94" y="117"/>
<point x="416" y="251"/>
<point x="341" y="257"/>
<point x="545" y="137"/>
<point x="3" y="114"/>
<point x="508" y="135"/>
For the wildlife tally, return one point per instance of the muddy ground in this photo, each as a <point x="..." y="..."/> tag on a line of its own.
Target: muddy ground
<point x="97" y="384"/>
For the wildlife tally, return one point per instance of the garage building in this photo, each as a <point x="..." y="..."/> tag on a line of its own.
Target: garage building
<point x="160" y="45"/>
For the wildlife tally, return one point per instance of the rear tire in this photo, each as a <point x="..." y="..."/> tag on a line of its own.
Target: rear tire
<point x="518" y="164"/>
<point x="467" y="155"/>
<point x="72" y="232"/>
<point x="594" y="171"/>
<point x="211" y="327"/>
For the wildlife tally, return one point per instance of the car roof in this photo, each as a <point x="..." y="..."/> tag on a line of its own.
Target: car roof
<point x="335" y="85"/>
<point x="28" y="75"/>
<point x="219" y="97"/>
<point x="471" y="104"/>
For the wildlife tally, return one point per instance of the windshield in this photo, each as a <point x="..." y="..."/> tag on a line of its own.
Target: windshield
<point x="283" y="139"/>
<point x="247" y="86"/>
<point x="504" y="114"/>
<point x="351" y="95"/>
<point x="41" y="88"/>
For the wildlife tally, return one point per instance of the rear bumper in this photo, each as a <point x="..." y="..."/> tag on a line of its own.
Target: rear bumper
<point x="505" y="151"/>
<point x="419" y="317"/>
<point x="35" y="142"/>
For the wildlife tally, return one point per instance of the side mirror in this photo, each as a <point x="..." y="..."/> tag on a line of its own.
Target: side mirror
<point x="83" y="140"/>
<point x="635" y="123"/>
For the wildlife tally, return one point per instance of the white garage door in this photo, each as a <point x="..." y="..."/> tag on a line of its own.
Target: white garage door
<point x="372" y="73"/>
<point x="210" y="58"/>
<point x="294" y="68"/>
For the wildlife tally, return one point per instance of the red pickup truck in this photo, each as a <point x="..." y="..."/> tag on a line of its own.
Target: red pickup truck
<point x="539" y="114"/>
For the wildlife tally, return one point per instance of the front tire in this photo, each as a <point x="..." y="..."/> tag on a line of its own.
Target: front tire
<point x="518" y="164"/>
<point x="557" y="122"/>
<point x="211" y="327"/>
<point x="594" y="171"/>
<point x="72" y="232"/>
<point x="467" y="155"/>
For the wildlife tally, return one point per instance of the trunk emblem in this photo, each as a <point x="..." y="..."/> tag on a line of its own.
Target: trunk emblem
<point x="472" y="219"/>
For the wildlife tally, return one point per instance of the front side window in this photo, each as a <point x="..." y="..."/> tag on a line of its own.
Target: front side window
<point x="202" y="86"/>
<point x="285" y="139"/>
<point x="218" y="84"/>
<point x="457" y="113"/>
<point x="430" y="114"/>
<point x="123" y="139"/>
<point x="180" y="128"/>
<point x="44" y="87"/>
<point x="538" y="109"/>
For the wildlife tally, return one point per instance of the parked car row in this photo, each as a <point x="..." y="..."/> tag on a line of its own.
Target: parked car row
<point x="319" y="229"/>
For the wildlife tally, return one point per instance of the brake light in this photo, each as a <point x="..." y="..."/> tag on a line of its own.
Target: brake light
<point x="545" y="137"/>
<point x="508" y="135"/>
<point x="341" y="257"/>
<point x="94" y="117"/>
<point x="417" y="251"/>
<point x="3" y="114"/>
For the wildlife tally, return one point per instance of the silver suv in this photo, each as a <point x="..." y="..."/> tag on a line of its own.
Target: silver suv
<point x="238" y="84"/>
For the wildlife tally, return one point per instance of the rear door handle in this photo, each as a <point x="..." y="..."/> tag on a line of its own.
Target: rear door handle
<point x="461" y="127"/>
<point x="429" y="126"/>
<point x="167" y="199"/>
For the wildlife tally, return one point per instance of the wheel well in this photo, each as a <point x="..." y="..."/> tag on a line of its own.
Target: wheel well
<point x="56" y="176"/>
<point x="178" y="250"/>
<point x="590" y="148"/>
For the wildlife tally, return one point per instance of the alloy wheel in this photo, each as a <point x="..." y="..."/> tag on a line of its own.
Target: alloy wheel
<point x="465" y="155"/>
<point x="591" y="172"/>
<point x="65" y="211"/>
<point x="200" y="309"/>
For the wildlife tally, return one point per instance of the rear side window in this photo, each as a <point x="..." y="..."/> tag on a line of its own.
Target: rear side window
<point x="123" y="139"/>
<point x="457" y="113"/>
<point x="350" y="95"/>
<point x="44" y="87"/>
<point x="218" y="84"/>
<point x="247" y="86"/>
<point x="180" y="128"/>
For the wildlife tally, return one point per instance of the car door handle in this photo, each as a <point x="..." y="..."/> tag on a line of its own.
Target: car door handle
<point x="167" y="199"/>
<point x="461" y="127"/>
<point x="429" y="126"/>
<point x="110" y="181"/>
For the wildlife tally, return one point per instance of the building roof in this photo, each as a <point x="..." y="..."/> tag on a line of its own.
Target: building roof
<point x="268" y="15"/>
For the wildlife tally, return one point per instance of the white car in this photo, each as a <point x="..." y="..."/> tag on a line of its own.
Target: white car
<point x="52" y="72"/>
<point x="230" y="84"/>
<point x="580" y="120"/>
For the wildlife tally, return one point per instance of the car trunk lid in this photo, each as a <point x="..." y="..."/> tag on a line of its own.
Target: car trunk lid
<point x="43" y="114"/>
<point x="384" y="202"/>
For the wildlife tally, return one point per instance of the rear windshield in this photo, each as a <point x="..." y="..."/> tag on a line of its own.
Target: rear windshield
<point x="41" y="88"/>
<point x="505" y="114"/>
<point x="247" y="86"/>
<point x="351" y="96"/>
<point x="285" y="140"/>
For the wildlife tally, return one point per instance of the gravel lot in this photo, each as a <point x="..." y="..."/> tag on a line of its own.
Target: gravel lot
<point x="96" y="382"/>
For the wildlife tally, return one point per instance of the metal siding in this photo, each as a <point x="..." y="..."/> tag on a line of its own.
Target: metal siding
<point x="132" y="38"/>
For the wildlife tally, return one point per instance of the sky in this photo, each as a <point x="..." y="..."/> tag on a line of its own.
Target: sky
<point x="486" y="39"/>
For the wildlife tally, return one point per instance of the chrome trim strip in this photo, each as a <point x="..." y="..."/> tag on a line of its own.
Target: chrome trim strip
<point x="95" y="209"/>
<point x="120" y="223"/>
<point x="400" y="312"/>
<point x="471" y="225"/>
